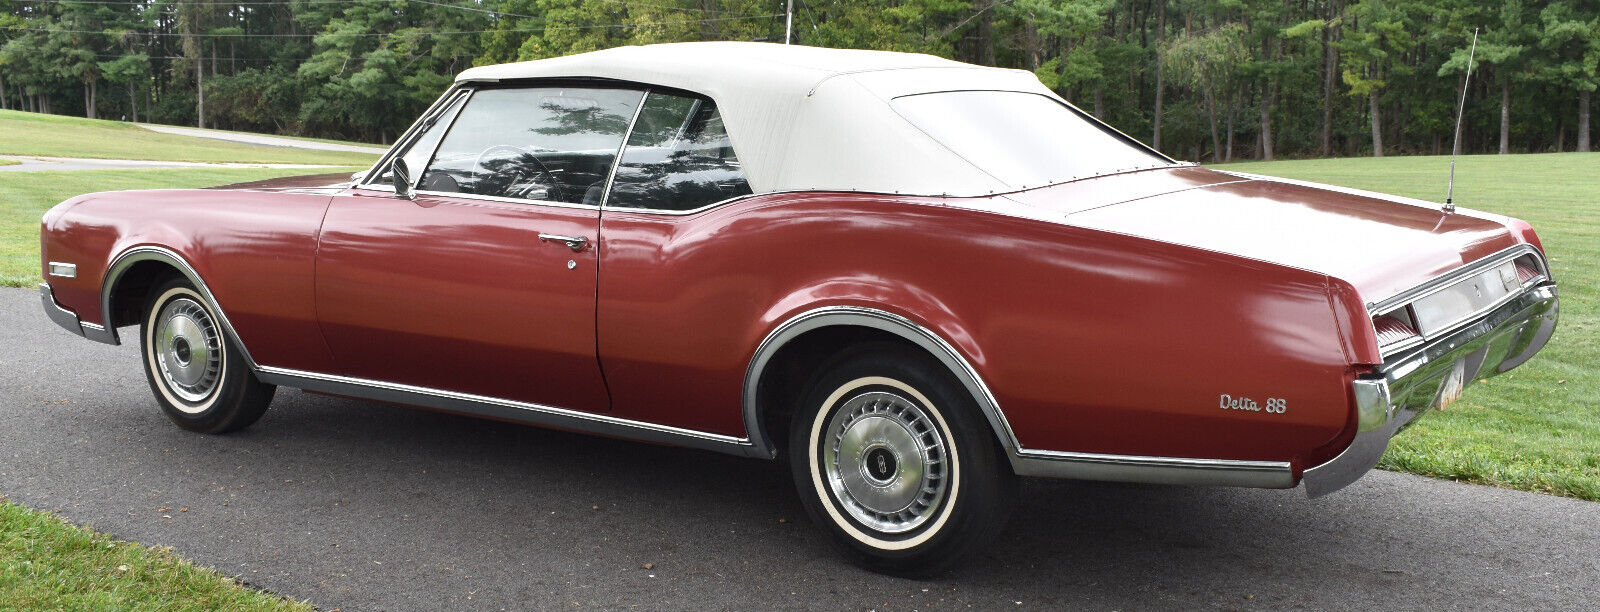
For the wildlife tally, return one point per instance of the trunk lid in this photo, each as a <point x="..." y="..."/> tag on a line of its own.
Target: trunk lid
<point x="1380" y="244"/>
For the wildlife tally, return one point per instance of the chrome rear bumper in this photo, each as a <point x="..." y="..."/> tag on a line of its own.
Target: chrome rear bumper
<point x="1433" y="375"/>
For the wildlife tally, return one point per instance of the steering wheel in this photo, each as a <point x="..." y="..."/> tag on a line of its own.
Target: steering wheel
<point x="516" y="176"/>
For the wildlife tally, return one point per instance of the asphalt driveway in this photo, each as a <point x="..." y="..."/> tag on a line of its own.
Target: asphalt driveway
<point x="264" y="139"/>
<point x="357" y="505"/>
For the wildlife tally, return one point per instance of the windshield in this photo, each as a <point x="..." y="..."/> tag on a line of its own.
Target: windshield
<point x="1023" y="139"/>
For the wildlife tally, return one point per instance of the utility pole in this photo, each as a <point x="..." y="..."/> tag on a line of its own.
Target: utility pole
<point x="788" y="22"/>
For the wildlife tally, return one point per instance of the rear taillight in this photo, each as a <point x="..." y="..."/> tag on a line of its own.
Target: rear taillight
<point x="1394" y="330"/>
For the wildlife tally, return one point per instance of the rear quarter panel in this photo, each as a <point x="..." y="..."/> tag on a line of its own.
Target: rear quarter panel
<point x="1090" y="341"/>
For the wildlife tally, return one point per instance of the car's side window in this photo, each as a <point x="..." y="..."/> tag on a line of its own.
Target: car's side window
<point x="417" y="152"/>
<point x="554" y="144"/>
<point x="678" y="158"/>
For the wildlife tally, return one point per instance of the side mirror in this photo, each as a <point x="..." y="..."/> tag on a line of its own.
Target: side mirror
<point x="402" y="180"/>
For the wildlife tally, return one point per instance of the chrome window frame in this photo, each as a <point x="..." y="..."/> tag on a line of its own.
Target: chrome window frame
<point x="465" y="97"/>
<point x="611" y="175"/>
<point x="471" y="88"/>
<point x="605" y="204"/>
<point x="408" y="137"/>
<point x="369" y="182"/>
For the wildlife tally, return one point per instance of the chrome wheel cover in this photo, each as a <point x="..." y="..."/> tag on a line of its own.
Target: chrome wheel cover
<point x="188" y="350"/>
<point x="885" y="461"/>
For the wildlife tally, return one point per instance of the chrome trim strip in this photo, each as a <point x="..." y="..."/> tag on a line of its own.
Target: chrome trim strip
<point x="133" y="255"/>
<point x="523" y="412"/>
<point x="98" y="333"/>
<point x="682" y="213"/>
<point x="1155" y="470"/>
<point x="830" y="316"/>
<point x="63" y="270"/>
<point x="463" y="98"/>
<point x="521" y="201"/>
<point x="605" y="194"/>
<point x="1439" y="283"/>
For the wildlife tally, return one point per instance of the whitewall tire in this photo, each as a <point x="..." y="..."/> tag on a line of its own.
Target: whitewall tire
<point x="893" y="459"/>
<point x="194" y="369"/>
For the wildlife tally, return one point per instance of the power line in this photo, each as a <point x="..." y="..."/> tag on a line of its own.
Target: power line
<point x="472" y="9"/>
<point x="221" y="59"/>
<point x="151" y="3"/>
<point x="427" y="2"/>
<point x="420" y="32"/>
<point x="664" y="6"/>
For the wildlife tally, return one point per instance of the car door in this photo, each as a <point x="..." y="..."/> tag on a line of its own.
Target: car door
<point x="665" y="330"/>
<point x="484" y="284"/>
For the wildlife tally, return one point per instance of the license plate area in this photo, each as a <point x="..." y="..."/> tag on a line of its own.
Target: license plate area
<point x="1455" y="381"/>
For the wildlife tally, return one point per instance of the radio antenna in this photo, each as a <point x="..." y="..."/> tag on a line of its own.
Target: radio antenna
<point x="1455" y="144"/>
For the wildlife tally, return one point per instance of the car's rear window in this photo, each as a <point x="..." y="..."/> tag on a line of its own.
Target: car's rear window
<point x="1025" y="140"/>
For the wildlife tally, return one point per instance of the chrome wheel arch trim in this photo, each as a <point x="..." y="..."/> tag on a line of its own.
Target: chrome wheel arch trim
<point x="1025" y="462"/>
<point x="133" y="255"/>
<point x="521" y="412"/>
<point x="872" y="318"/>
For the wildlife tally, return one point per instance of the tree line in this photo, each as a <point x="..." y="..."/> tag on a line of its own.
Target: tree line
<point x="1206" y="80"/>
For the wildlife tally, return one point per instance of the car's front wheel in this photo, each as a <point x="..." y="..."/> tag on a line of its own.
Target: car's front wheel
<point x="893" y="459"/>
<point x="196" y="373"/>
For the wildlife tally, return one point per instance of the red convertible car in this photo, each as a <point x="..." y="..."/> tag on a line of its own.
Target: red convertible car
<point x="914" y="279"/>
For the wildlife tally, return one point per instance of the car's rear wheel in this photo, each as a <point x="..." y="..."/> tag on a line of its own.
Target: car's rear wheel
<point x="193" y="368"/>
<point x="893" y="459"/>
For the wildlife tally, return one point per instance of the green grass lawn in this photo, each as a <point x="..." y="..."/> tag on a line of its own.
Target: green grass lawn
<point x="24" y="196"/>
<point x="48" y="564"/>
<point x="1536" y="428"/>
<point x="24" y="133"/>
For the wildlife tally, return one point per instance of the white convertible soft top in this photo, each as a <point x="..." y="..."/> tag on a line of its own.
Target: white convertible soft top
<point x="806" y="118"/>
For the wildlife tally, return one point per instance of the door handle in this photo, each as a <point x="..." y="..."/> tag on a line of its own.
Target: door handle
<point x="576" y="243"/>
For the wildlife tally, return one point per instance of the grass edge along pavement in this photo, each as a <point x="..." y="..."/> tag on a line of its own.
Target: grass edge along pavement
<point x="48" y="563"/>
<point x="1536" y="428"/>
<point x="35" y="134"/>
